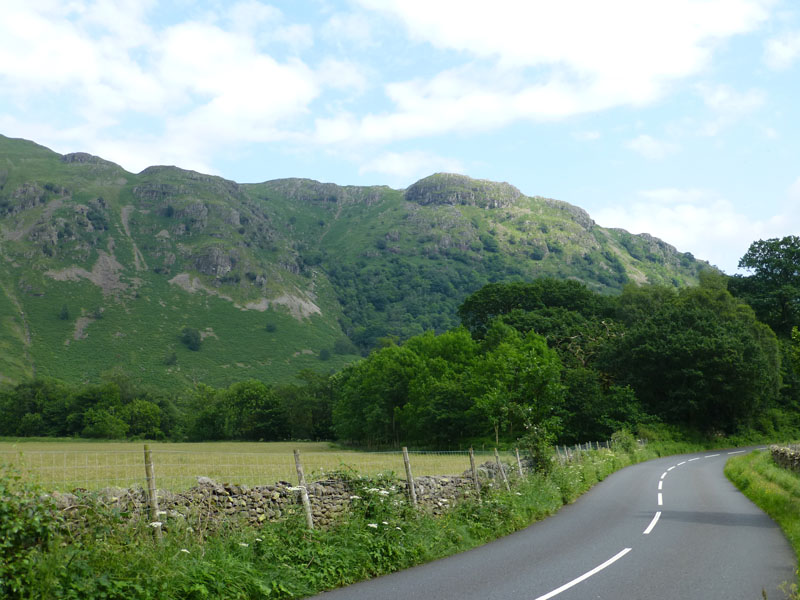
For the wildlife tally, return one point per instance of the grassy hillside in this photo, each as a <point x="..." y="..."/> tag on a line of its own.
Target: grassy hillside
<point x="102" y="269"/>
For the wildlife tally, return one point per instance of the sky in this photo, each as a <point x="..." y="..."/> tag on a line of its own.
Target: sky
<point x="676" y="118"/>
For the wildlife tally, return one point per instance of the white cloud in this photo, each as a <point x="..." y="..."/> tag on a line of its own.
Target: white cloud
<point x="651" y="148"/>
<point x="342" y="75"/>
<point x="781" y="52"/>
<point x="410" y="166"/>
<point x="353" y="28"/>
<point x="543" y="61"/>
<point x="729" y="105"/>
<point x="698" y="221"/>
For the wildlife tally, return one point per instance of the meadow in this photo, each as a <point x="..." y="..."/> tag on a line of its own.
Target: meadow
<point x="66" y="464"/>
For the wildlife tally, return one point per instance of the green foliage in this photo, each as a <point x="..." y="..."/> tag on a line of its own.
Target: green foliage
<point x="623" y="441"/>
<point x="774" y="288"/>
<point x="702" y="359"/>
<point x="191" y="338"/>
<point x="27" y="524"/>
<point x="64" y="313"/>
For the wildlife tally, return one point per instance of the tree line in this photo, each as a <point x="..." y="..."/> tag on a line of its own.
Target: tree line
<point x="547" y="356"/>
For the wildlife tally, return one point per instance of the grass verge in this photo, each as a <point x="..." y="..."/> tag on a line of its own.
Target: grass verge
<point x="773" y="489"/>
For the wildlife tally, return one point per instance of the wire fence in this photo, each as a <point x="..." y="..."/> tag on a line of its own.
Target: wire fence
<point x="178" y="470"/>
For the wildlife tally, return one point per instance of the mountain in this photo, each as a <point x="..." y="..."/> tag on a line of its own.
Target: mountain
<point x="102" y="270"/>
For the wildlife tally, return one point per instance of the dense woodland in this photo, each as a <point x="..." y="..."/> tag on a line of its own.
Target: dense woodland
<point x="547" y="356"/>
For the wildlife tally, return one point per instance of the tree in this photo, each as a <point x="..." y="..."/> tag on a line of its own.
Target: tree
<point x="191" y="338"/>
<point x="702" y="359"/>
<point x="774" y="288"/>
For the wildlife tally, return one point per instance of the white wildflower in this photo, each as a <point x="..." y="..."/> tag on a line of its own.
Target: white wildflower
<point x="184" y="550"/>
<point x="385" y="522"/>
<point x="259" y="540"/>
<point x="244" y="544"/>
<point x="355" y="497"/>
<point x="156" y="524"/>
<point x="161" y="512"/>
<point x="383" y="492"/>
<point x="398" y="529"/>
<point x="373" y="525"/>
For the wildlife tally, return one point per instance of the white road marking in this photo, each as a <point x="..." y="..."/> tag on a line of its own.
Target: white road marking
<point x="660" y="485"/>
<point x="660" y="499"/>
<point x="737" y="451"/>
<point x="652" y="523"/>
<point x="681" y="463"/>
<point x="695" y="458"/>
<point x="586" y="575"/>
<point x="672" y="467"/>
<point x="664" y="474"/>
<point x="712" y="455"/>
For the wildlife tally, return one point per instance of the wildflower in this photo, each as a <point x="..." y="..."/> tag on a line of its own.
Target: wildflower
<point x="259" y="540"/>
<point x="161" y="512"/>
<point x="385" y="522"/>
<point x="398" y="529"/>
<point x="383" y="492"/>
<point x="518" y="494"/>
<point x="373" y="525"/>
<point x="355" y="497"/>
<point x="184" y="550"/>
<point x="244" y="544"/>
<point x="156" y="524"/>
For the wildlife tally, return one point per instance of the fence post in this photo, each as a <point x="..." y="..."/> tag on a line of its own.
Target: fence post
<point x="502" y="470"/>
<point x="474" y="471"/>
<point x="303" y="490"/>
<point x="519" y="464"/>
<point x="412" y="492"/>
<point x="152" y="499"/>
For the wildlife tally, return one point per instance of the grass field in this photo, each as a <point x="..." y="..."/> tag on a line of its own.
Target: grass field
<point x="63" y="465"/>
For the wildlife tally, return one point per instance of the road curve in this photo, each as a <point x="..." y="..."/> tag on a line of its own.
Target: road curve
<point x="669" y="529"/>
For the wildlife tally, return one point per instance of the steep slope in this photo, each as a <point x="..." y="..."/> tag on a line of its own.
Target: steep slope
<point x="101" y="270"/>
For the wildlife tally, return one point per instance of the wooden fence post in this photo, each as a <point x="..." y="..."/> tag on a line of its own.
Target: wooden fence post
<point x="474" y="471"/>
<point x="502" y="470"/>
<point x="303" y="490"/>
<point x="412" y="492"/>
<point x="519" y="464"/>
<point x="152" y="499"/>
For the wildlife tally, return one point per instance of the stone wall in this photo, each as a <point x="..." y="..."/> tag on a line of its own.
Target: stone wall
<point x="787" y="457"/>
<point x="211" y="501"/>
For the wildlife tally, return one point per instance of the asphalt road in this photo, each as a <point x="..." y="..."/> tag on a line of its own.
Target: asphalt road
<point x="673" y="528"/>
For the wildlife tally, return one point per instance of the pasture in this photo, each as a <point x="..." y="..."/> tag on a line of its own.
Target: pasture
<point x="64" y="465"/>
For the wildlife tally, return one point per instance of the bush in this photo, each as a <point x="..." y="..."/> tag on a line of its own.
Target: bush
<point x="623" y="441"/>
<point x="27" y="522"/>
<point x="191" y="338"/>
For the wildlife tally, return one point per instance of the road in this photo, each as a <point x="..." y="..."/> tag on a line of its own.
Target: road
<point x="669" y="529"/>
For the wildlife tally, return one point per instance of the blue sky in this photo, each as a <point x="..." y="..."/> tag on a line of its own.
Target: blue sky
<point x="679" y="119"/>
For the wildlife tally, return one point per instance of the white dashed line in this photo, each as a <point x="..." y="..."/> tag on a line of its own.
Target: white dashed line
<point x="652" y="524"/>
<point x="586" y="575"/>
<point x="664" y="474"/>
<point x="695" y="458"/>
<point x="660" y="499"/>
<point x="672" y="467"/>
<point x="681" y="463"/>
<point x="712" y="455"/>
<point x="737" y="452"/>
<point x="660" y="485"/>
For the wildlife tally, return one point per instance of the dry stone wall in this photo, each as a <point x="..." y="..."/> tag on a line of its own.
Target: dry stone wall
<point x="787" y="457"/>
<point x="212" y="501"/>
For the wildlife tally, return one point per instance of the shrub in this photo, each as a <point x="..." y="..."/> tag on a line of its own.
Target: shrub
<point x="27" y="523"/>
<point x="191" y="338"/>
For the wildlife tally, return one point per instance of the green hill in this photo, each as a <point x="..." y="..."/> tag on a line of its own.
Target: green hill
<point x="102" y="270"/>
